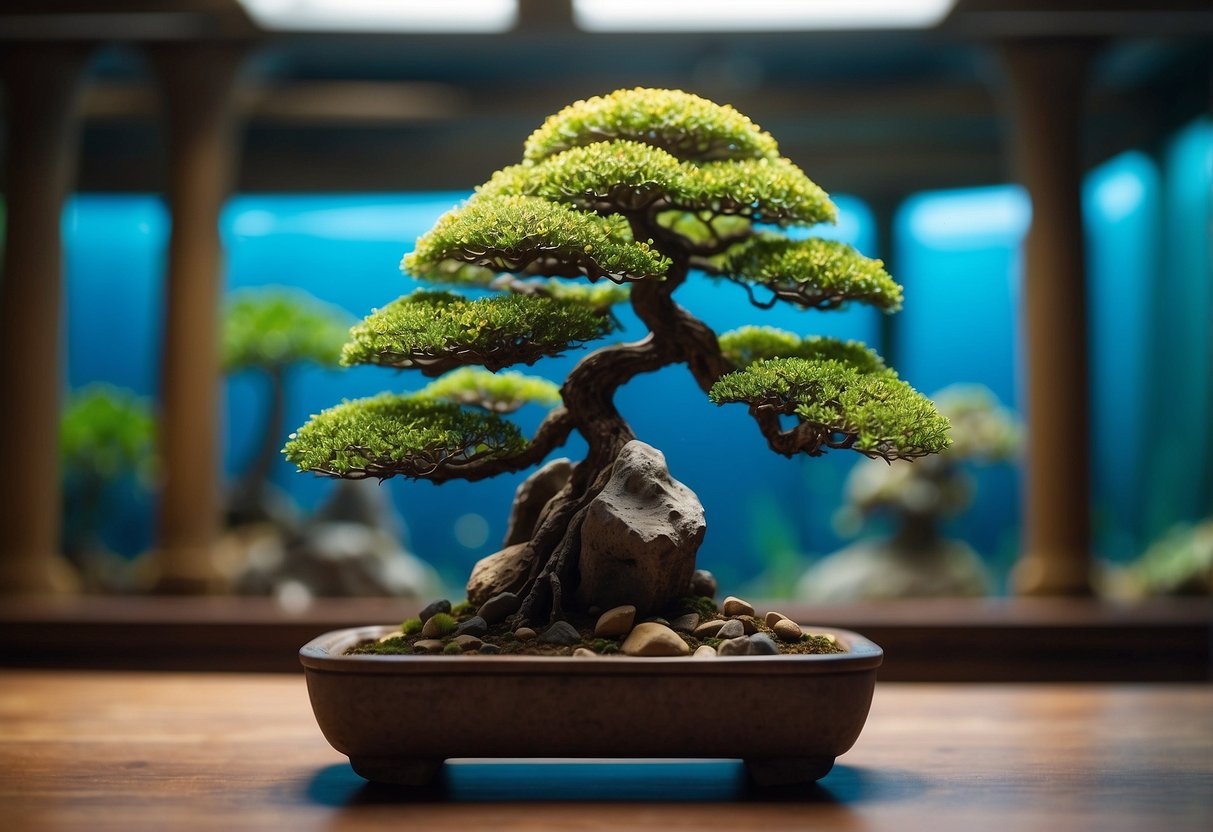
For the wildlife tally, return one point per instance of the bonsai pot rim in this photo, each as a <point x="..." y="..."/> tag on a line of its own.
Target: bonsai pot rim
<point x="327" y="653"/>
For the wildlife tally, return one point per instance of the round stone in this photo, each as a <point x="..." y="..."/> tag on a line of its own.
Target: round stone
<point x="731" y="629"/>
<point x="704" y="651"/>
<point x="772" y="617"/>
<point x="614" y="622"/>
<point x="585" y="653"/>
<point x="489" y="649"/>
<point x="428" y="645"/>
<point x="500" y="607"/>
<point x="652" y="639"/>
<point x="474" y="626"/>
<point x="685" y="623"/>
<point x="562" y="633"/>
<point x="703" y="583"/>
<point x="468" y="643"/>
<point x="524" y="634"/>
<point x="762" y="645"/>
<point x="432" y="609"/>
<point x="708" y="629"/>
<point x="735" y="606"/>
<point x="739" y="646"/>
<point x="788" y="631"/>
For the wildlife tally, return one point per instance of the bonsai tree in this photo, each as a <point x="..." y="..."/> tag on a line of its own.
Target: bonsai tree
<point x="641" y="188"/>
<point x="271" y="331"/>
<point x="106" y="435"/>
<point x="919" y="559"/>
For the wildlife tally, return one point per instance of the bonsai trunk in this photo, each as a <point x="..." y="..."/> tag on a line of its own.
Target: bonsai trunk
<point x="554" y="550"/>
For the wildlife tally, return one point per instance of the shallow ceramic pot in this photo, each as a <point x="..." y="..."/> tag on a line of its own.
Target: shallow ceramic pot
<point x="399" y="717"/>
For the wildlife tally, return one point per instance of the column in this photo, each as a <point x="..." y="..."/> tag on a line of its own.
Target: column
<point x="1048" y="81"/>
<point x="41" y="85"/>
<point x="197" y="83"/>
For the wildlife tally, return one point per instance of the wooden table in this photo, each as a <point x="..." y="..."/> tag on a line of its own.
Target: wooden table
<point x="132" y="751"/>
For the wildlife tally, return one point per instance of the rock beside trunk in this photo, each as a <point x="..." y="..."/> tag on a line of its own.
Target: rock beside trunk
<point x="640" y="535"/>
<point x="504" y="571"/>
<point x="532" y="498"/>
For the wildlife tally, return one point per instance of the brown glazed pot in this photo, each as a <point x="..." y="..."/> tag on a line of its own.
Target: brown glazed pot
<point x="399" y="717"/>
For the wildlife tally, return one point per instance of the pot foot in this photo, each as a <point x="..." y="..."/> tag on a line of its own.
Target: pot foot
<point x="400" y="771"/>
<point x="788" y="771"/>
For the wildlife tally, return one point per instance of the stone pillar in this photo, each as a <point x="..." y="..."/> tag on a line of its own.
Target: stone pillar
<point x="197" y="82"/>
<point x="1048" y="81"/>
<point x="41" y="85"/>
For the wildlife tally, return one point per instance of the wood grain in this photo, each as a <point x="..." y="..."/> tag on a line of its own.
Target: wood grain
<point x="204" y="751"/>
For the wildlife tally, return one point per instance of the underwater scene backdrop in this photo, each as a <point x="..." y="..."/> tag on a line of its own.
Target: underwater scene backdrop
<point x="957" y="254"/>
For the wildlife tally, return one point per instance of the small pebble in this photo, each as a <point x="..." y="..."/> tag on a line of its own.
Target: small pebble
<point x="585" y="652"/>
<point x="748" y="623"/>
<point x="562" y="633"/>
<point x="788" y="631"/>
<point x="524" y="634"/>
<point x="433" y="609"/>
<point x="428" y="645"/>
<point x="431" y="628"/>
<point x="739" y="646"/>
<point x="653" y="639"/>
<point x="489" y="649"/>
<point x="762" y="645"/>
<point x="703" y="583"/>
<point x="708" y="629"/>
<point x="467" y="642"/>
<point x="500" y="607"/>
<point x="731" y="629"/>
<point x="474" y="626"/>
<point x="704" y="651"/>
<point x="735" y="606"/>
<point x="614" y="622"/>
<point x="657" y="620"/>
<point x="772" y="617"/>
<point x="685" y="623"/>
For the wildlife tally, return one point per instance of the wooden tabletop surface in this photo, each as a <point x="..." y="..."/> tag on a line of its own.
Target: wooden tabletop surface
<point x="133" y="751"/>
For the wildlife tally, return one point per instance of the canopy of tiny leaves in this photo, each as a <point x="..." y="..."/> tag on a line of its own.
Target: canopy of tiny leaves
<point x="684" y="125"/>
<point x="403" y="435"/>
<point x="748" y="344"/>
<point x="502" y="392"/>
<point x="105" y="433"/>
<point x="813" y="273"/>
<point x="438" y="331"/>
<point x="536" y="236"/>
<point x="874" y="413"/>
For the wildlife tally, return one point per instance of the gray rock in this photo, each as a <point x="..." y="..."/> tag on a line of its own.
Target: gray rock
<point x="739" y="646"/>
<point x="532" y="497"/>
<point x="474" y="626"/>
<point x="614" y="622"/>
<point x="525" y="634"/>
<point x="788" y="631"/>
<point x="735" y="606"/>
<point x="703" y="583"/>
<point x="428" y="645"/>
<point x="652" y="639"/>
<point x="704" y="651"/>
<point x="365" y="503"/>
<point x="731" y="629"/>
<point x="562" y="633"/>
<point x="709" y="629"/>
<point x="763" y="645"/>
<point x="640" y="535"/>
<point x="489" y="649"/>
<point x="498" y="608"/>
<point x="504" y="571"/>
<point x="685" y="623"/>
<point x="433" y="608"/>
<point x="468" y="643"/>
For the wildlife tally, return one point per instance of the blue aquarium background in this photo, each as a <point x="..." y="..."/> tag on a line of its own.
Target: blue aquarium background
<point x="957" y="254"/>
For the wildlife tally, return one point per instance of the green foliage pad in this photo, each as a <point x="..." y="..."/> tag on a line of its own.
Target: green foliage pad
<point x="265" y="328"/>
